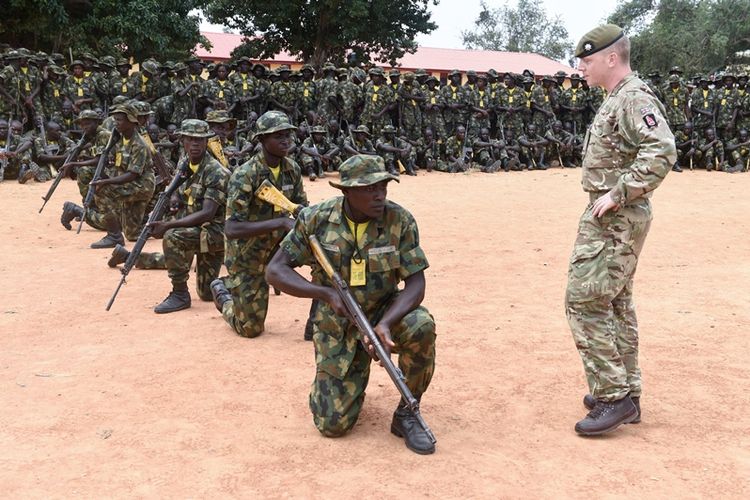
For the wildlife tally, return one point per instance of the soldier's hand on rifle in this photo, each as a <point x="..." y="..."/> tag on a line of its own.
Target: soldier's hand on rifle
<point x="384" y="333"/>
<point x="336" y="303"/>
<point x="158" y="228"/>
<point x="67" y="169"/>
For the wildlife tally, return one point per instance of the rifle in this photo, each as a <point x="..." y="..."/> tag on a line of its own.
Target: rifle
<point x="72" y="155"/>
<point x="98" y="175"/>
<point x="464" y="156"/>
<point x="42" y="133"/>
<point x="160" y="164"/>
<point x="270" y="194"/>
<point x="363" y="325"/>
<point x="156" y="215"/>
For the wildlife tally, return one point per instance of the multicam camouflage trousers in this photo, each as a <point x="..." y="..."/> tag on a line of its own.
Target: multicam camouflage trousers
<point x="246" y="312"/>
<point x="180" y="245"/>
<point x="599" y="298"/>
<point x="123" y="203"/>
<point x="343" y="366"/>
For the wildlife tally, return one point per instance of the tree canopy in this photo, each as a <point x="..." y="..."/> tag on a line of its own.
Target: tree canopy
<point x="142" y="28"/>
<point x="700" y="36"/>
<point x="523" y="28"/>
<point x="323" y="30"/>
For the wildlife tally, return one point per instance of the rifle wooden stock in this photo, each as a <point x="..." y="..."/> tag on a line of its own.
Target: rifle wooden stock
<point x="113" y="138"/>
<point x="358" y="317"/>
<point x="270" y="194"/>
<point x="156" y="215"/>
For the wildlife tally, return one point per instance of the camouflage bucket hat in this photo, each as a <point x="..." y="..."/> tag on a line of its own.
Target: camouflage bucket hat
<point x="151" y="67"/>
<point x="77" y="62"/>
<point x="394" y="72"/>
<point x="362" y="170"/>
<point x="362" y="129"/>
<point x="124" y="62"/>
<point x="454" y="72"/>
<point x="219" y="116"/>
<point x="421" y="72"/>
<point x="270" y="122"/>
<point x="194" y="128"/>
<point x="376" y="71"/>
<point x="284" y="68"/>
<point x="108" y="61"/>
<point x="307" y="67"/>
<point x="119" y="99"/>
<point x="128" y="110"/>
<point x="12" y="54"/>
<point x="674" y="79"/>
<point x="317" y="129"/>
<point x="88" y="114"/>
<point x="389" y="129"/>
<point x="141" y="108"/>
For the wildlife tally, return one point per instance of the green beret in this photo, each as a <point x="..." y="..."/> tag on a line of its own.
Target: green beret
<point x="597" y="39"/>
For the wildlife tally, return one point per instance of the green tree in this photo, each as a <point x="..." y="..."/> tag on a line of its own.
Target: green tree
<point x="323" y="30"/>
<point x="142" y="28"/>
<point x="700" y="36"/>
<point x="525" y="28"/>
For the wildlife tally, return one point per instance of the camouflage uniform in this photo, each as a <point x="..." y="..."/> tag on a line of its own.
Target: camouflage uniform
<point x="43" y="171"/>
<point x="327" y="88"/>
<point x="207" y="182"/>
<point x="629" y="149"/>
<point x="480" y="99"/>
<point x="84" y="175"/>
<point x="80" y="88"/>
<point x="711" y="156"/>
<point x="706" y="101"/>
<point x="542" y="100"/>
<point x="377" y="97"/>
<point x="125" y="202"/>
<point x="392" y="252"/>
<point x="675" y="103"/>
<point x="409" y="110"/>
<point x="574" y="98"/>
<point x="453" y="149"/>
<point x="433" y="115"/>
<point x="450" y="94"/>
<point x="246" y="258"/>
<point x="510" y="98"/>
<point x="728" y="102"/>
<point x="53" y="94"/>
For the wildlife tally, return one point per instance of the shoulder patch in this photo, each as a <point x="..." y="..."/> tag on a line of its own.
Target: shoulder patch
<point x="650" y="120"/>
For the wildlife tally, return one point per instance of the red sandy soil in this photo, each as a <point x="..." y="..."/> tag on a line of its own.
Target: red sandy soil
<point x="128" y="403"/>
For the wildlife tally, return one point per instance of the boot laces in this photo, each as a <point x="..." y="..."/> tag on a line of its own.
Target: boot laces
<point x="601" y="408"/>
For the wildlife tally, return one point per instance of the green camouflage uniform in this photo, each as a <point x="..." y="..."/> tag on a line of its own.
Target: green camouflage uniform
<point x="84" y="175"/>
<point x="574" y="98"/>
<point x="728" y="102"/>
<point x="27" y="81"/>
<point x="180" y="244"/>
<point x="53" y="95"/>
<point x="351" y="97"/>
<point x="246" y="258"/>
<point x="511" y="98"/>
<point x="629" y="149"/>
<point x="711" y="156"/>
<point x="80" y="88"/>
<point x="126" y="202"/>
<point x="480" y="99"/>
<point x="122" y="86"/>
<point x="326" y="88"/>
<point x="675" y="103"/>
<point x="377" y="97"/>
<point x="453" y="148"/>
<point x="391" y="247"/>
<point x="59" y="147"/>
<point x="706" y="101"/>
<point x="433" y="116"/>
<point x="542" y="99"/>
<point x="454" y="95"/>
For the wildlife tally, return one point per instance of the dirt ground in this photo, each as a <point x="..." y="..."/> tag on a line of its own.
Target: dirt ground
<point x="130" y="404"/>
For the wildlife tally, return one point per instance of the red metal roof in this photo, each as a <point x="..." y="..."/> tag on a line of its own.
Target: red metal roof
<point x="429" y="58"/>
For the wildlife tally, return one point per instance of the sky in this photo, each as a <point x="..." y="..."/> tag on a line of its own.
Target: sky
<point x="453" y="16"/>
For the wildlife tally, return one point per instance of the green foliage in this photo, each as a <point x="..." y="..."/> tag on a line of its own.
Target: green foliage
<point x="525" y="28"/>
<point x="142" y="28"/>
<point x="700" y="36"/>
<point x="323" y="30"/>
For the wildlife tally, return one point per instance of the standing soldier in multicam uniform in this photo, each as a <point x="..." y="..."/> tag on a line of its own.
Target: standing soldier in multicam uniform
<point x="254" y="228"/>
<point x="629" y="150"/>
<point x="374" y="244"/>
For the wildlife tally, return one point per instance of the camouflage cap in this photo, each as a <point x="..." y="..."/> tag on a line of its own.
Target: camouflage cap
<point x="77" y="62"/>
<point x="471" y="72"/>
<point x="408" y="77"/>
<point x="128" y="110"/>
<point x="561" y="73"/>
<point x="421" y="72"/>
<point x="454" y="72"/>
<point x="24" y="52"/>
<point x="219" y="116"/>
<point x="598" y="39"/>
<point x="57" y="57"/>
<point x="193" y="59"/>
<point x="150" y="66"/>
<point x="376" y="71"/>
<point x="342" y="71"/>
<point x="211" y="67"/>
<point x="194" y="128"/>
<point x="284" y="68"/>
<point x="576" y="76"/>
<point x="674" y="79"/>
<point x="141" y="108"/>
<point x="270" y="122"/>
<point x="259" y="65"/>
<point x="124" y="62"/>
<point x="307" y="67"/>
<point x="89" y="56"/>
<point x="88" y="114"/>
<point x="318" y="129"/>
<point x="547" y="78"/>
<point x="361" y="171"/>
<point x="245" y="59"/>
<point x="390" y="129"/>
<point x="57" y="69"/>
<point x="12" y="54"/>
<point x="491" y="72"/>
<point x="394" y="72"/>
<point x="180" y="67"/>
<point x="654" y="74"/>
<point x="362" y="129"/>
<point x="528" y="72"/>
<point x="728" y="75"/>
<point x="432" y="78"/>
<point x="329" y="67"/>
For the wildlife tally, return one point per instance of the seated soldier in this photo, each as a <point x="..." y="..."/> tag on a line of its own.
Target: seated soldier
<point x="739" y="149"/>
<point x="487" y="153"/>
<point x="560" y="145"/>
<point x="686" y="139"/>
<point x="15" y="155"/>
<point x="318" y="155"/>
<point x="359" y="143"/>
<point x="396" y="152"/>
<point x="51" y="156"/>
<point x="533" y="148"/>
<point x="428" y="150"/>
<point x="457" y="157"/>
<point x="712" y="151"/>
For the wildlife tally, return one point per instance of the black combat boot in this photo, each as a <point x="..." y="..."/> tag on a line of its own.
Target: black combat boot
<point x="607" y="416"/>
<point x="405" y="425"/>
<point x="676" y="167"/>
<point x="70" y="211"/>
<point x="589" y="402"/>
<point x="177" y="300"/>
<point x="311" y="173"/>
<point x="110" y="240"/>
<point x="119" y="255"/>
<point x="219" y="293"/>
<point x="410" y="168"/>
<point x="25" y="174"/>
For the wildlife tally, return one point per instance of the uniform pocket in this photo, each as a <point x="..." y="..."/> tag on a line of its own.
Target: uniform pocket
<point x="383" y="262"/>
<point x="588" y="273"/>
